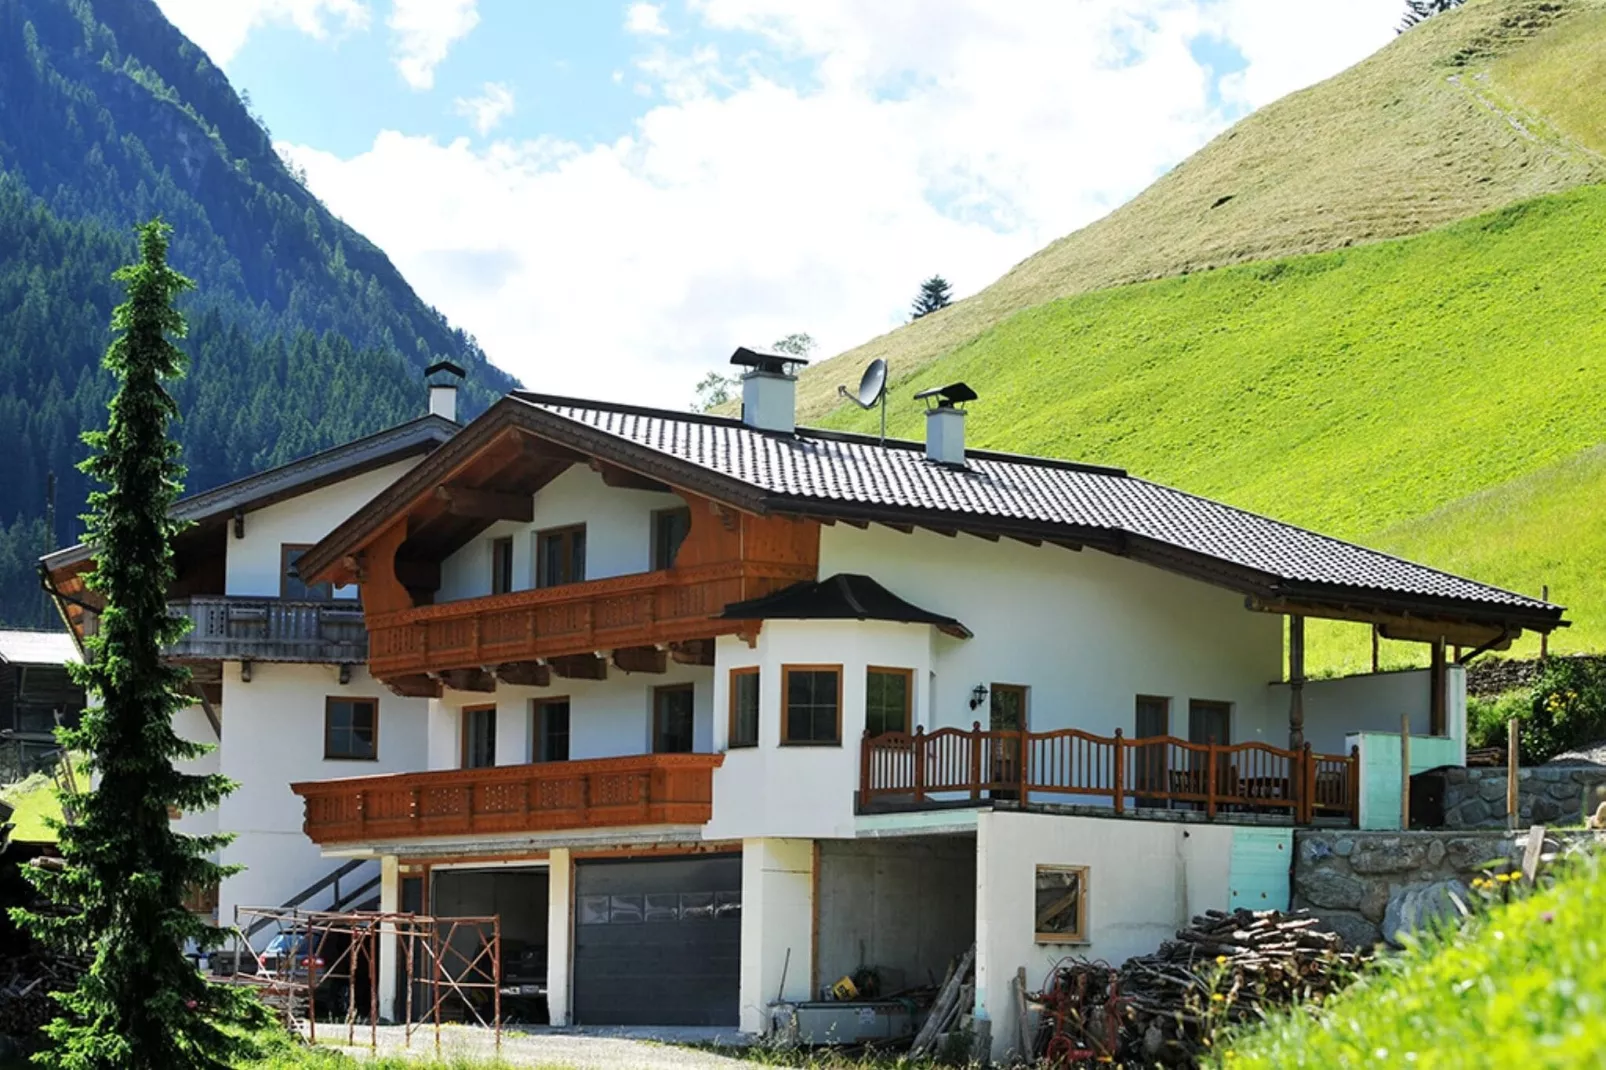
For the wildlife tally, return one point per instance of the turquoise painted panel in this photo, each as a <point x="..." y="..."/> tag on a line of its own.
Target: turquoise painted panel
<point x="1380" y="772"/>
<point x="1258" y="869"/>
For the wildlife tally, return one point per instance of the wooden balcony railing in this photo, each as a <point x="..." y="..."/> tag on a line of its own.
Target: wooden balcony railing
<point x="644" y="789"/>
<point x="646" y="608"/>
<point x="954" y="765"/>
<point x="270" y="629"/>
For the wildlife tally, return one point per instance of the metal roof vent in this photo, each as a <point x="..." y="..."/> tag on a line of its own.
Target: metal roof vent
<point x="443" y="378"/>
<point x="769" y="389"/>
<point x="945" y="422"/>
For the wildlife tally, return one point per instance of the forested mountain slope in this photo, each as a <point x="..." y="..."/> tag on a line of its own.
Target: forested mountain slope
<point x="303" y="334"/>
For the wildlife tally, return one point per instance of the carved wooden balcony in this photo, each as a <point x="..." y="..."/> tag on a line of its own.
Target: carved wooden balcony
<point x="644" y="789"/>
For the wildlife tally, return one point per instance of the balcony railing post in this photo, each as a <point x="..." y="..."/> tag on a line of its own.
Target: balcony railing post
<point x="975" y="759"/>
<point x="1307" y="785"/>
<point x="1210" y="781"/>
<point x="1120" y="772"/>
<point x="920" y="763"/>
<point x="1024" y="760"/>
<point x="864" y="769"/>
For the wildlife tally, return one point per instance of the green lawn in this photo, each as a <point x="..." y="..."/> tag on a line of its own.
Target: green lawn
<point x="34" y="799"/>
<point x="1435" y="395"/>
<point x="1524" y="987"/>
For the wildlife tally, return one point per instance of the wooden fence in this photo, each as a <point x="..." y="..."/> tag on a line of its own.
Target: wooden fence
<point x="898" y="769"/>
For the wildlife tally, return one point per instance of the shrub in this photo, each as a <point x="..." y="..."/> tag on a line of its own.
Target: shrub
<point x="1564" y="710"/>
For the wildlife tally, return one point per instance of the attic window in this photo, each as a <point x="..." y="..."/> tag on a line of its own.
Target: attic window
<point x="1061" y="904"/>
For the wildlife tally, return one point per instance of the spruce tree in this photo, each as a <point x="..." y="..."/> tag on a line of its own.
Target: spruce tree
<point x="1419" y="11"/>
<point x="141" y="1005"/>
<point x="934" y="294"/>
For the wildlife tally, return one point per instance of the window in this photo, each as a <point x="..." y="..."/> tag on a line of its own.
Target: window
<point x="560" y="556"/>
<point x="1209" y="722"/>
<point x="552" y="730"/>
<point x="1061" y="906"/>
<point x="669" y="529"/>
<point x="812" y="695"/>
<point x="502" y="565"/>
<point x="479" y="736"/>
<point x="744" y="708"/>
<point x="1153" y="719"/>
<point x="672" y="719"/>
<point x="351" y="728"/>
<point x="887" y="693"/>
<point x="290" y="585"/>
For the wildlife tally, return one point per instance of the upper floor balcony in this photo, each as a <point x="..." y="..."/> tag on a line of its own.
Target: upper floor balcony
<point x="233" y="628"/>
<point x="643" y="789"/>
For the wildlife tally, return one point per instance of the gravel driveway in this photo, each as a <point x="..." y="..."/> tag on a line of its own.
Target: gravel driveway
<point x="590" y="1049"/>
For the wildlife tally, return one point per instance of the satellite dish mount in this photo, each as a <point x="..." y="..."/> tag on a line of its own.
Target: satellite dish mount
<point x="872" y="392"/>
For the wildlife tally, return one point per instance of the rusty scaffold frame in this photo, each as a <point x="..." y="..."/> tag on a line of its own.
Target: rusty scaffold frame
<point x="449" y="962"/>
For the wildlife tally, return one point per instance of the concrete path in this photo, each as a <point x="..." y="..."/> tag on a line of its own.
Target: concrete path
<point x="587" y="1049"/>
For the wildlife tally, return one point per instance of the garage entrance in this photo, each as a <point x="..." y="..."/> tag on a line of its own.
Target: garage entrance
<point x="519" y="897"/>
<point x="658" y="942"/>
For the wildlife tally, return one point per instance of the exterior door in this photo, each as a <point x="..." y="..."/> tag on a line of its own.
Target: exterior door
<point x="1006" y="713"/>
<point x="658" y="942"/>
<point x="1149" y="773"/>
<point x="1209" y="722"/>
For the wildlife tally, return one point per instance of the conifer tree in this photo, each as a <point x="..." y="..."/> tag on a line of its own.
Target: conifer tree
<point x="934" y="294"/>
<point x="141" y="1005"/>
<point x="1419" y="11"/>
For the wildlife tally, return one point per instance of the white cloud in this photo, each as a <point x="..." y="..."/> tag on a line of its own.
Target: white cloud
<point x="423" y="31"/>
<point x="955" y="138"/>
<point x="221" y="27"/>
<point x="645" y="19"/>
<point x="487" y="110"/>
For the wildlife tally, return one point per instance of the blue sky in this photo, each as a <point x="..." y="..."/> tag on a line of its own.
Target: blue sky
<point x="611" y="197"/>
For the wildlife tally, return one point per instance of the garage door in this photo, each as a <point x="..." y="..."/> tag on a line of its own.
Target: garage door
<point x="658" y="943"/>
<point x="519" y="898"/>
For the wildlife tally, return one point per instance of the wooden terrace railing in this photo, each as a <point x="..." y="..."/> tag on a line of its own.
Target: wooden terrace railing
<point x="578" y="618"/>
<point x="269" y="629"/>
<point x="953" y="765"/>
<point x="642" y="789"/>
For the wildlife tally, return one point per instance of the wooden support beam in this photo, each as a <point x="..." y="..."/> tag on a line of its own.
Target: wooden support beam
<point x="414" y="686"/>
<point x="1472" y="635"/>
<point x="1438" y="691"/>
<point x="486" y="504"/>
<point x="580" y="667"/>
<point x="1401" y="626"/>
<point x="525" y="674"/>
<point x="1296" y="682"/>
<point x="641" y="659"/>
<point x="624" y="478"/>
<point x="468" y="680"/>
<point x="693" y="652"/>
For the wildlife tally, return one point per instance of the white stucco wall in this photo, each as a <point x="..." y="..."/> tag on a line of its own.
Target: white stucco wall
<point x="1087" y="632"/>
<point x="607" y="718"/>
<point x="1146" y="878"/>
<point x="191" y="724"/>
<point x="253" y="563"/>
<point x="618" y="534"/>
<point x="804" y="791"/>
<point x="1373" y="703"/>
<point x="777" y="926"/>
<point x="273" y="735"/>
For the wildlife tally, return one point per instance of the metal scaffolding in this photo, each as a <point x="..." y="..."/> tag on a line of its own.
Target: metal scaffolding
<point x="449" y="968"/>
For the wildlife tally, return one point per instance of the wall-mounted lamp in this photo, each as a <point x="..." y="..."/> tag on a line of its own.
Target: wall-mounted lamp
<point x="978" y="696"/>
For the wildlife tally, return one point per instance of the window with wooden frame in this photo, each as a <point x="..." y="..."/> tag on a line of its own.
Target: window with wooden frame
<point x="551" y="730"/>
<point x="673" y="719"/>
<point x="291" y="587"/>
<point x="669" y="529"/>
<point x="744" y="708"/>
<point x="811" y="705"/>
<point x="560" y="556"/>
<point x="1061" y="904"/>
<point x="502" y="565"/>
<point x="479" y="737"/>
<point x="888" y="699"/>
<point x="350" y="729"/>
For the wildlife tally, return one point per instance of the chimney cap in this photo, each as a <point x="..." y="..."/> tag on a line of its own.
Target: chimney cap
<point x="947" y="397"/>
<point x="443" y="367"/>
<point x="774" y="363"/>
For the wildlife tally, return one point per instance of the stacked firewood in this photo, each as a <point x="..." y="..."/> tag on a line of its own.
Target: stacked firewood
<point x="25" y="1003"/>
<point x="1226" y="968"/>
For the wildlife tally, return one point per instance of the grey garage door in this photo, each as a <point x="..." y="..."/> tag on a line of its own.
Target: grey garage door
<point x="658" y="943"/>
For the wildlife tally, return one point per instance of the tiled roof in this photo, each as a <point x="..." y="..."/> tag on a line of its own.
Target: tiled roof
<point x="851" y="470"/>
<point x="37" y="648"/>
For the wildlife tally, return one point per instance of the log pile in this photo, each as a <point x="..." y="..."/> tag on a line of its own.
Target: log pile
<point x="1226" y="968"/>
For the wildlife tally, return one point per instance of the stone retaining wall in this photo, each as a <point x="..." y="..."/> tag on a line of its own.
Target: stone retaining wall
<point x="1476" y="798"/>
<point x="1487" y="677"/>
<point x="1360" y="882"/>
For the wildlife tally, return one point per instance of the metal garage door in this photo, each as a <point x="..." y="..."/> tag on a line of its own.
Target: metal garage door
<point x="658" y="943"/>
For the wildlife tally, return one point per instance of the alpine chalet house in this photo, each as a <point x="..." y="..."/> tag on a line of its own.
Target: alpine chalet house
<point x="278" y="661"/>
<point x="720" y="710"/>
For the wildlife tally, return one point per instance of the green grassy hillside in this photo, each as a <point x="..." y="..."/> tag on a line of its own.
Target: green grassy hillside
<point x="1496" y="102"/>
<point x="1438" y="395"/>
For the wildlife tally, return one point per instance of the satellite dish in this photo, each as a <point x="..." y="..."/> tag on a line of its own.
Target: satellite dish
<point x="874" y="384"/>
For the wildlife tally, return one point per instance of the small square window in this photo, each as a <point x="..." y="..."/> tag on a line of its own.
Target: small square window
<point x="813" y="698"/>
<point x="1061" y="904"/>
<point x="351" y="729"/>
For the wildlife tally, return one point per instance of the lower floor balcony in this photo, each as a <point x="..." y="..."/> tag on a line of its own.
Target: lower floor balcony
<point x="645" y="789"/>
<point x="954" y="766"/>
